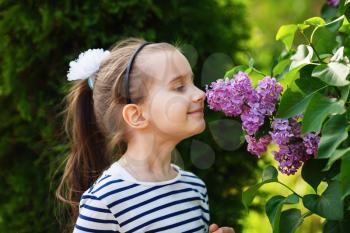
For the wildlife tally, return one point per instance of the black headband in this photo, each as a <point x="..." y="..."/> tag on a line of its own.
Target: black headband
<point x="128" y="70"/>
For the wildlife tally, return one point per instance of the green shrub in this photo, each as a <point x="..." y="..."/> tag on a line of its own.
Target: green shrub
<point x="39" y="38"/>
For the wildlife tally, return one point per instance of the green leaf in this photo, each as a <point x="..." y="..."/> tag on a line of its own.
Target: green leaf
<point x="255" y="75"/>
<point x="347" y="11"/>
<point x="289" y="77"/>
<point x="344" y="91"/>
<point x="334" y="25"/>
<point x="328" y="12"/>
<point x="291" y="199"/>
<point x="329" y="205"/>
<point x="338" y="154"/>
<point x="341" y="6"/>
<point x="235" y="70"/>
<point x="334" y="73"/>
<point x="269" y="173"/>
<point x="302" y="26"/>
<point x="280" y="67"/>
<point x="315" y="21"/>
<point x="303" y="70"/>
<point x="334" y="132"/>
<point x="317" y="111"/>
<point x="274" y="206"/>
<point x="286" y="34"/>
<point x="249" y="195"/>
<point x="342" y="226"/>
<point x="290" y="220"/>
<point x="311" y="172"/>
<point x="324" y="37"/>
<point x="296" y="98"/>
<point x="324" y="41"/>
<point x="345" y="175"/>
<point x="345" y="28"/>
<point x="273" y="211"/>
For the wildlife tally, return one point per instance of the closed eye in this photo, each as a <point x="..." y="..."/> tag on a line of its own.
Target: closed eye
<point x="180" y="88"/>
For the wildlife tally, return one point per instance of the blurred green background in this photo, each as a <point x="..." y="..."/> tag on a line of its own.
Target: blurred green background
<point x="39" y="38"/>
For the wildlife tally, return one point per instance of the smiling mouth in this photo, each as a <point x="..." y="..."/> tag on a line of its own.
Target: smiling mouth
<point x="200" y="111"/>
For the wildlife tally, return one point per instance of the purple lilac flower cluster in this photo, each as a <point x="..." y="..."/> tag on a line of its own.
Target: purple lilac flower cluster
<point x="237" y="97"/>
<point x="294" y="148"/>
<point x="333" y="2"/>
<point x="257" y="147"/>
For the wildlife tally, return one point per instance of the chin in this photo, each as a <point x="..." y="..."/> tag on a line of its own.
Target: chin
<point x="200" y="128"/>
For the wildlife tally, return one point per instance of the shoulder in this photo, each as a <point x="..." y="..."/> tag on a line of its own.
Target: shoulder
<point x="198" y="184"/>
<point x="103" y="193"/>
<point x="105" y="184"/>
<point x="193" y="179"/>
<point x="95" y="215"/>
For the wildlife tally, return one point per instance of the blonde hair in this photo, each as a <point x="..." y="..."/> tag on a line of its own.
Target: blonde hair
<point x="94" y="122"/>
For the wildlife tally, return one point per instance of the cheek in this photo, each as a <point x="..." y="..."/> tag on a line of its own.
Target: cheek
<point x="176" y="111"/>
<point x="169" y="110"/>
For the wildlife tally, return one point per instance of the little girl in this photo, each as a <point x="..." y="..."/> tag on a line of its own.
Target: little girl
<point x="131" y="106"/>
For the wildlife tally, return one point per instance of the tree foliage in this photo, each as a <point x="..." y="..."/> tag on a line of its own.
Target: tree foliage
<point x="39" y="38"/>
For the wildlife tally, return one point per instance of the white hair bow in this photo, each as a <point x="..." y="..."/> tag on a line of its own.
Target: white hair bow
<point x="87" y="64"/>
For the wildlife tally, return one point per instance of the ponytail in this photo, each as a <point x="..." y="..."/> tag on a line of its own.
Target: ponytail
<point x="88" y="157"/>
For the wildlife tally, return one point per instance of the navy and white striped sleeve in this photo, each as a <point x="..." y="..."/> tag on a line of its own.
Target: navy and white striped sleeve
<point x="95" y="216"/>
<point x="206" y="209"/>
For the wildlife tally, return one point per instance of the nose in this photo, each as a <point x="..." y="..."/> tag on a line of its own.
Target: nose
<point x="199" y="96"/>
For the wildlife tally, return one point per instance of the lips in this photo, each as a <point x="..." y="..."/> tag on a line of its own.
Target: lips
<point x="199" y="110"/>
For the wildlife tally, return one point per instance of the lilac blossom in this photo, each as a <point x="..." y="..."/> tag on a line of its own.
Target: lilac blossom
<point x="229" y="95"/>
<point x="268" y="91"/>
<point x="252" y="118"/>
<point x="236" y="97"/>
<point x="218" y="95"/>
<point x="257" y="147"/>
<point x="295" y="125"/>
<point x="333" y="2"/>
<point x="281" y="131"/>
<point x="261" y="104"/>
<point x="294" y="149"/>
<point x="311" y="141"/>
<point x="290" y="158"/>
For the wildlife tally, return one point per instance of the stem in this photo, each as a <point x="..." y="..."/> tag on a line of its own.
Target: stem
<point x="307" y="214"/>
<point x="289" y="189"/>
<point x="312" y="46"/>
<point x="259" y="72"/>
<point x="313" y="32"/>
<point x="318" y="57"/>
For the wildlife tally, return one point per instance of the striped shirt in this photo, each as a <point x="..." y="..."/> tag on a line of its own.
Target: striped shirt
<point x="117" y="202"/>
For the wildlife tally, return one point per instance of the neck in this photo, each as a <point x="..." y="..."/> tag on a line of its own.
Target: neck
<point x="150" y="157"/>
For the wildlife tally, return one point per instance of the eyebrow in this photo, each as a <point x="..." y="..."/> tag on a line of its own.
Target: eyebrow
<point x="180" y="77"/>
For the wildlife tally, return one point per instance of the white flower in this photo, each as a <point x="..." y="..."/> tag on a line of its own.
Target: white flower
<point x="87" y="64"/>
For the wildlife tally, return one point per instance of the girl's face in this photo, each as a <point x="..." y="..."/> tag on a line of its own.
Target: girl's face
<point x="173" y="96"/>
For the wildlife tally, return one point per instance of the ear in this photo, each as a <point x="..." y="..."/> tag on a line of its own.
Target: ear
<point x="134" y="116"/>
